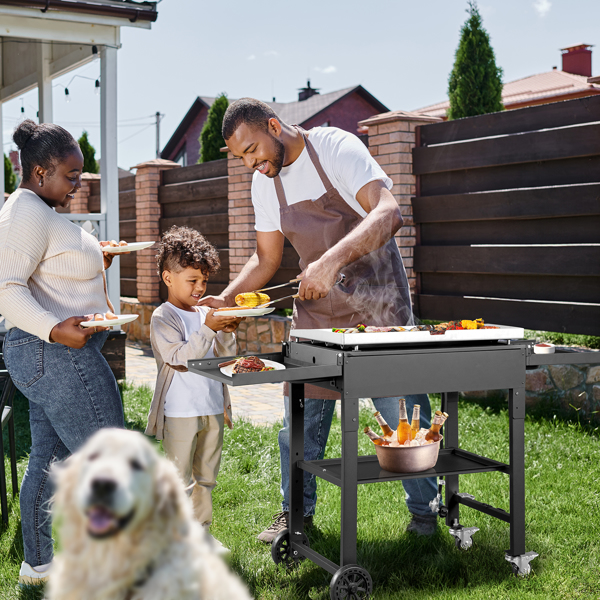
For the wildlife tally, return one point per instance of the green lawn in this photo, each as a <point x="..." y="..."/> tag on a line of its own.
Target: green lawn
<point x="563" y="515"/>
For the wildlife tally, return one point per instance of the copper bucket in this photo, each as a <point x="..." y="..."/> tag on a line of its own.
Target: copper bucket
<point x="408" y="459"/>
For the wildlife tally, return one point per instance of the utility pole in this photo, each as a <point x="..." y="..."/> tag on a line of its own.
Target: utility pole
<point x="158" y="116"/>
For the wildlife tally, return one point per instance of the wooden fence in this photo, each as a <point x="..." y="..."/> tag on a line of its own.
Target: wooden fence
<point x="508" y="217"/>
<point x="196" y="196"/>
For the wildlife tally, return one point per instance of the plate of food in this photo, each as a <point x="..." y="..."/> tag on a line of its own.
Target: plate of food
<point x="249" y="364"/>
<point x="114" y="248"/>
<point x="108" y="320"/>
<point x="237" y="311"/>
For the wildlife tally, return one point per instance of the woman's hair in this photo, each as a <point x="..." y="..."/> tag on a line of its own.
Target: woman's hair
<point x="247" y="110"/>
<point x="183" y="247"/>
<point x="45" y="145"/>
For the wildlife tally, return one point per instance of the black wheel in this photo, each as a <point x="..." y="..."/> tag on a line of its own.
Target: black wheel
<point x="281" y="549"/>
<point x="351" y="583"/>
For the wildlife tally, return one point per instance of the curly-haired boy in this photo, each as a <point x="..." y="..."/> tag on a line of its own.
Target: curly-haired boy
<point x="188" y="411"/>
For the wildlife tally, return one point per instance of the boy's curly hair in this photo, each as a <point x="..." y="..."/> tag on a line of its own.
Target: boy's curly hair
<point x="182" y="247"/>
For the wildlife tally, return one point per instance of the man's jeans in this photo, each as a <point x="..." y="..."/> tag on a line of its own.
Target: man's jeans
<point x="72" y="394"/>
<point x="317" y="422"/>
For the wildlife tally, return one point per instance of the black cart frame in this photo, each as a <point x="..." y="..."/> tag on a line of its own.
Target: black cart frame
<point x="391" y="371"/>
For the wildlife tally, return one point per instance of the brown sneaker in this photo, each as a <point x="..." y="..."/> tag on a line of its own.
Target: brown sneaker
<point x="280" y="522"/>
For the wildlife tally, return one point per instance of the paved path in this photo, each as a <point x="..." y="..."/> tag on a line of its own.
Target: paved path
<point x="261" y="404"/>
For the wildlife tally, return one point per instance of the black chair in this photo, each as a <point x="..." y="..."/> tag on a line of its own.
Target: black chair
<point x="8" y="419"/>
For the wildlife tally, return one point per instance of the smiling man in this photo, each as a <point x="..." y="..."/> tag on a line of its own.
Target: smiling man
<point x="325" y="193"/>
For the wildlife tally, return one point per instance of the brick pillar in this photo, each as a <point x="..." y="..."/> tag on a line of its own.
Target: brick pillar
<point x="242" y="236"/>
<point x="79" y="204"/>
<point x="147" y="213"/>
<point x="391" y="140"/>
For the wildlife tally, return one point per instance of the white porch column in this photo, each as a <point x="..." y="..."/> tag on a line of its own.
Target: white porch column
<point x="44" y="82"/>
<point x="1" y="133"/>
<point x="109" y="171"/>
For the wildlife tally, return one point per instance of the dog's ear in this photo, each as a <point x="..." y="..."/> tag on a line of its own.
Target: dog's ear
<point x="170" y="501"/>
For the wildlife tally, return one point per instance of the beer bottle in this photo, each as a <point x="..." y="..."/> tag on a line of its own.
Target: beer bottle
<point x="403" y="424"/>
<point x="434" y="434"/>
<point x="387" y="430"/>
<point x="415" y="424"/>
<point x="376" y="439"/>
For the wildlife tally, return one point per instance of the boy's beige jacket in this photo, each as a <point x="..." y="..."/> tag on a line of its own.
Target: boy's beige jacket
<point x="172" y="353"/>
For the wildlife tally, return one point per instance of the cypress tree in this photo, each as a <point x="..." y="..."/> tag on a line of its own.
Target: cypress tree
<point x="211" y="138"/>
<point x="475" y="83"/>
<point x="90" y="164"/>
<point x="10" y="177"/>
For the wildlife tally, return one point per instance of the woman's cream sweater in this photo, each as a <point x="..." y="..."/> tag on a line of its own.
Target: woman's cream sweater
<point x="50" y="268"/>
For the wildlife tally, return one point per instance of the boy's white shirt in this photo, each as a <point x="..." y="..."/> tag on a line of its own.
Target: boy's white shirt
<point x="191" y="395"/>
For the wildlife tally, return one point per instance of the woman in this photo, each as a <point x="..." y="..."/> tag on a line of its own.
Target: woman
<point x="51" y="274"/>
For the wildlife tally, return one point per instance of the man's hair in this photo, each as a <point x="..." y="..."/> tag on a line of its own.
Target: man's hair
<point x="250" y="111"/>
<point x="45" y="145"/>
<point x="182" y="247"/>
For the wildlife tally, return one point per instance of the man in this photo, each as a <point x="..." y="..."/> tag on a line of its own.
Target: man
<point x="323" y="191"/>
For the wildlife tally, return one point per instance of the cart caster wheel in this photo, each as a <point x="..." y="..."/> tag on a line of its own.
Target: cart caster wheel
<point x="520" y="564"/>
<point x="462" y="536"/>
<point x="281" y="550"/>
<point x="351" y="583"/>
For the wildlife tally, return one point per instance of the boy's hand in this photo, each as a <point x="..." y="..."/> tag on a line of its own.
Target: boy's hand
<point x="219" y="322"/>
<point x="231" y="328"/>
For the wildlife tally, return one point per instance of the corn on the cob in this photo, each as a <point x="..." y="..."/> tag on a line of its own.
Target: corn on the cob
<point x="251" y="299"/>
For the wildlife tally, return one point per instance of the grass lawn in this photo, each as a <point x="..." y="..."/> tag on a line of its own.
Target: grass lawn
<point x="563" y="516"/>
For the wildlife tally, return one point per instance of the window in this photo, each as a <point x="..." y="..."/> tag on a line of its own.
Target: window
<point x="181" y="157"/>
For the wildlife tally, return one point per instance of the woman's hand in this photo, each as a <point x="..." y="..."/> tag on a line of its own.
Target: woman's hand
<point x="108" y="256"/>
<point x="69" y="333"/>
<point x="220" y="322"/>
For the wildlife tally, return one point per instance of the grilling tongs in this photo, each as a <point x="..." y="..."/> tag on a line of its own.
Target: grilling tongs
<point x="340" y="280"/>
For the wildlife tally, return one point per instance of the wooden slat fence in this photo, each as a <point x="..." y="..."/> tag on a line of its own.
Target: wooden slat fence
<point x="508" y="217"/>
<point x="196" y="196"/>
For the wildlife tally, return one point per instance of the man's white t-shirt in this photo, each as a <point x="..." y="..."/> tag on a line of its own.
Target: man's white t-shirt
<point x="191" y="395"/>
<point x="346" y="161"/>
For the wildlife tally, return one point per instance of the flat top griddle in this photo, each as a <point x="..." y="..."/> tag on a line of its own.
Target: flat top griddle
<point x="413" y="336"/>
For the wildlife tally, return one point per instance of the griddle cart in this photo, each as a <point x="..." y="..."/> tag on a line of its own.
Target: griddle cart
<point x="386" y="370"/>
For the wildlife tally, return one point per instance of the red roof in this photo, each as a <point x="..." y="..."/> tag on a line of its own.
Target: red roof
<point x="535" y="89"/>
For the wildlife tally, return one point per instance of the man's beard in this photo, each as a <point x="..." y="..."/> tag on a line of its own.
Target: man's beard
<point x="279" y="157"/>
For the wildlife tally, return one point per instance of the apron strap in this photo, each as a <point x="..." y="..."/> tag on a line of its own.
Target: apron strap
<point x="315" y="159"/>
<point x="280" y="193"/>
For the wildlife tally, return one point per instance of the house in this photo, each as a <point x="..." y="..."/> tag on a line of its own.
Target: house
<point x="573" y="81"/>
<point x="343" y="109"/>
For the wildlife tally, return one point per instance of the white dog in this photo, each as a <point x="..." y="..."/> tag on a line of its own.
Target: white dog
<point x="126" y="529"/>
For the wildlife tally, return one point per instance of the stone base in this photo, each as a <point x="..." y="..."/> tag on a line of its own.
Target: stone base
<point x="565" y="388"/>
<point x="264" y="334"/>
<point x="138" y="330"/>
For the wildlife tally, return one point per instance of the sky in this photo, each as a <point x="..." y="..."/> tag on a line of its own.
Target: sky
<point x="401" y="51"/>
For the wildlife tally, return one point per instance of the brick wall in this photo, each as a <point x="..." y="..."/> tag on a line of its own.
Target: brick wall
<point x="391" y="140"/>
<point x="242" y="237"/>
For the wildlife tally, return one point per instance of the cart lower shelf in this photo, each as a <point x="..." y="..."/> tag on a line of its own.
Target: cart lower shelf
<point x="451" y="461"/>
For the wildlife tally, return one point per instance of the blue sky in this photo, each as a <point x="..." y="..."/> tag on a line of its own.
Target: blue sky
<point x="401" y="51"/>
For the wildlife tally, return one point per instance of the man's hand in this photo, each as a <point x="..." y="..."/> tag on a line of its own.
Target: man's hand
<point x="215" y="301"/>
<point x="70" y="334"/>
<point x="317" y="280"/>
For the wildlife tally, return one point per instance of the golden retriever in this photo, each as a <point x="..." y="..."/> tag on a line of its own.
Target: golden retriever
<point x="126" y="530"/>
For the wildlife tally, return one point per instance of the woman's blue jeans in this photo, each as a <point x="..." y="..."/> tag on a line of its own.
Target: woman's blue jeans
<point x="72" y="394"/>
<point x="317" y="422"/>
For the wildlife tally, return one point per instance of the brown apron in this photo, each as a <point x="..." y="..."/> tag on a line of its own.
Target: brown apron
<point x="375" y="290"/>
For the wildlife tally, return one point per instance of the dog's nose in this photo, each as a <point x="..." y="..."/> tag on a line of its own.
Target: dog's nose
<point x="103" y="488"/>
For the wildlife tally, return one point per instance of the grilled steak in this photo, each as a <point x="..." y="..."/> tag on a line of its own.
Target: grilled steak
<point x="248" y="364"/>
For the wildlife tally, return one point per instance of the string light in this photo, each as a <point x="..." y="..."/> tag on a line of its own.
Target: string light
<point x="95" y="52"/>
<point x="67" y="96"/>
<point x="97" y="87"/>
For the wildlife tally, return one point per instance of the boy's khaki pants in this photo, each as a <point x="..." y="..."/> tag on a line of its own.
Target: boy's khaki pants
<point x="194" y="444"/>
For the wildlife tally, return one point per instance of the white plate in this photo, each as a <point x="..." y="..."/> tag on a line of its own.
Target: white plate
<point x="228" y="370"/>
<point x="133" y="247"/>
<point x="246" y="312"/>
<point x="122" y="319"/>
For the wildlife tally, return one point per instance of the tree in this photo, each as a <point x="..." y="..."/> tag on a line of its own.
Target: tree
<point x="90" y="164"/>
<point x="211" y="139"/>
<point x="475" y="83"/>
<point x="10" y="177"/>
